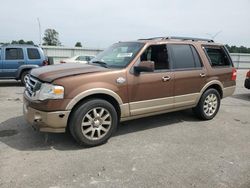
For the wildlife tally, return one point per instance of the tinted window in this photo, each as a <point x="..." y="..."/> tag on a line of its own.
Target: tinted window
<point x="217" y="56"/>
<point x="183" y="56"/>
<point x="14" y="53"/>
<point x="33" y="53"/>
<point x="0" y="53"/>
<point x="158" y="54"/>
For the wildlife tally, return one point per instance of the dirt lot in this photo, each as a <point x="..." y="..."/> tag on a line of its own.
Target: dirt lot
<point x="170" y="150"/>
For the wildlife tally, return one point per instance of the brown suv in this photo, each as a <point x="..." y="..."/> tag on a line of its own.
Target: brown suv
<point x="126" y="81"/>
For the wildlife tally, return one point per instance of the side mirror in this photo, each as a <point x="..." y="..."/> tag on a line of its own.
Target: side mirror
<point x="145" y="66"/>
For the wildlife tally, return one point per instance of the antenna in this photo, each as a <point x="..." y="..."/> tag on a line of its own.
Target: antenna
<point x="213" y="35"/>
<point x="39" y="27"/>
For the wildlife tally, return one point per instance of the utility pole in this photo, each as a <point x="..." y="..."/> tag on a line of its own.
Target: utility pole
<point x="40" y="37"/>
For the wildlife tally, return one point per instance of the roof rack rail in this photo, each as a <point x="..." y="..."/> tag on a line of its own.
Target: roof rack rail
<point x="179" y="38"/>
<point x="189" y="38"/>
<point x="154" y="38"/>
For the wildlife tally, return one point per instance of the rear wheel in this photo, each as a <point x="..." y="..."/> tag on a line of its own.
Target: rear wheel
<point x="93" y="122"/>
<point x="208" y="105"/>
<point x="24" y="77"/>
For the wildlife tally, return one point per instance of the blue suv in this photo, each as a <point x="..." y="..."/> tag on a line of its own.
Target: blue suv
<point x="17" y="60"/>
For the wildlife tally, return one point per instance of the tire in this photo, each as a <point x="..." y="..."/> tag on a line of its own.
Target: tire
<point x="208" y="105"/>
<point x="23" y="76"/>
<point x="93" y="122"/>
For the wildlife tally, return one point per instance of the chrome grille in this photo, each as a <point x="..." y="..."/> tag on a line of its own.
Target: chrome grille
<point x="32" y="85"/>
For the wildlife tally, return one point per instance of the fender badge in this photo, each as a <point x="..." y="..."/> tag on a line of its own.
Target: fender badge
<point x="120" y="80"/>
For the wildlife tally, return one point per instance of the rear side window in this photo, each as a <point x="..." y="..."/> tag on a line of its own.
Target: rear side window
<point x="14" y="53"/>
<point x="0" y="53"/>
<point x="217" y="57"/>
<point x="33" y="53"/>
<point x="185" y="56"/>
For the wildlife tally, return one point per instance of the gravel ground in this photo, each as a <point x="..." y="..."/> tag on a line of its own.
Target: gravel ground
<point x="170" y="150"/>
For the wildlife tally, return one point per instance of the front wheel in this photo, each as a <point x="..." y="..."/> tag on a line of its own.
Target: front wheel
<point x="208" y="105"/>
<point x="24" y="77"/>
<point x="93" y="122"/>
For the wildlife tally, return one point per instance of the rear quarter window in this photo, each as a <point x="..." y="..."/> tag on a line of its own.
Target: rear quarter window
<point x="217" y="56"/>
<point x="33" y="53"/>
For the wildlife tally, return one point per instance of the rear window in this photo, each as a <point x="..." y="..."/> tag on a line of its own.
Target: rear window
<point x="14" y="53"/>
<point x="185" y="56"/>
<point x="33" y="53"/>
<point x="217" y="57"/>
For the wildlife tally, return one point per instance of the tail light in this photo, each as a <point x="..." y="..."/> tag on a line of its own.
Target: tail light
<point x="45" y="62"/>
<point x="234" y="74"/>
<point x="248" y="74"/>
<point x="62" y="62"/>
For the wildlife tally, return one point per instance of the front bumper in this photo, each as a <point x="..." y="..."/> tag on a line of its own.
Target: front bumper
<point x="247" y="83"/>
<point x="55" y="122"/>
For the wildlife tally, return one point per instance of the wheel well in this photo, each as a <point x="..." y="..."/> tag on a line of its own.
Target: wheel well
<point x="98" y="96"/>
<point x="218" y="88"/>
<point x="22" y="71"/>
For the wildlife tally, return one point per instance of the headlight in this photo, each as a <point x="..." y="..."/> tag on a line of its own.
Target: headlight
<point x="49" y="91"/>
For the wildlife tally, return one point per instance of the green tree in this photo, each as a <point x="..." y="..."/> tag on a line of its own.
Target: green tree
<point x="21" y="41"/>
<point x="78" y="44"/>
<point x="51" y="38"/>
<point x="236" y="49"/>
<point x="30" y="42"/>
<point x="14" y="42"/>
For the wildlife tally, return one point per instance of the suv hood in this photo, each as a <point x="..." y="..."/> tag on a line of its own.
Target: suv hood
<point x="53" y="72"/>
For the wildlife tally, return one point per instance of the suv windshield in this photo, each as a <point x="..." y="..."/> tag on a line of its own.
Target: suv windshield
<point x="119" y="55"/>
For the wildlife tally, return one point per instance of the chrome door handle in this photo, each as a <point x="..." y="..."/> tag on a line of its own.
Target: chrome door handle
<point x="166" y="78"/>
<point x="202" y="75"/>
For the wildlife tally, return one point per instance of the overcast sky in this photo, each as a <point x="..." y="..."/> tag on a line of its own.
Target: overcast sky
<point x="99" y="23"/>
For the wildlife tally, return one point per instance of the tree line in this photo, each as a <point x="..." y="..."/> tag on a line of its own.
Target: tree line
<point x="236" y="49"/>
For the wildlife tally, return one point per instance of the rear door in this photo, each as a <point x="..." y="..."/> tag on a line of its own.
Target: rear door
<point x="189" y="74"/>
<point x="13" y="59"/>
<point x="221" y="64"/>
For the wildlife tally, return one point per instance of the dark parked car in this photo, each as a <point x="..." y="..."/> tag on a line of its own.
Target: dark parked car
<point x="247" y="80"/>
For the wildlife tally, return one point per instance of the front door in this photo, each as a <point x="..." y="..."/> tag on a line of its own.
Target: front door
<point x="189" y="73"/>
<point x="13" y="59"/>
<point x="152" y="91"/>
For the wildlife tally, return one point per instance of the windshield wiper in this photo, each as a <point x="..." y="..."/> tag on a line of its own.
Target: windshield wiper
<point x="103" y="64"/>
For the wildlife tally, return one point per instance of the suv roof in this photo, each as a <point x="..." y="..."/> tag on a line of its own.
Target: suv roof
<point x="19" y="45"/>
